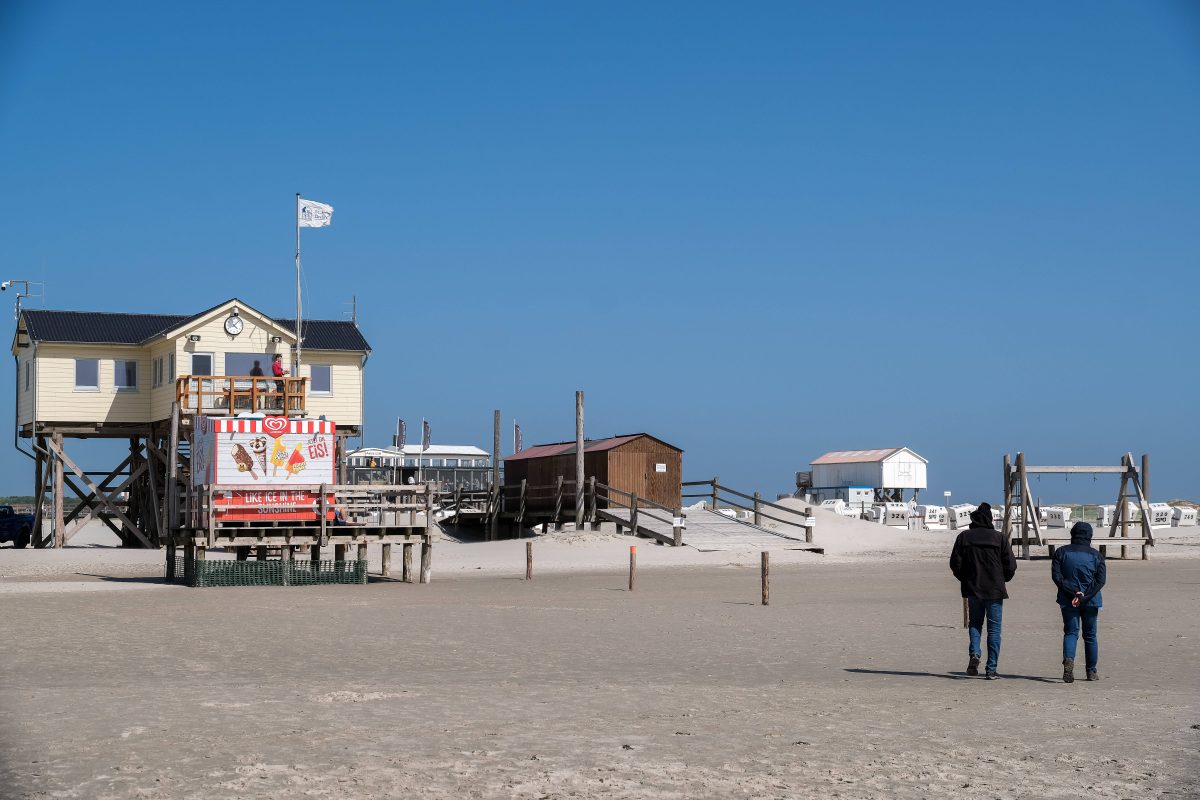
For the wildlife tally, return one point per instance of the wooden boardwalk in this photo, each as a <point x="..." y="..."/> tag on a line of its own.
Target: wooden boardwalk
<point x="708" y="531"/>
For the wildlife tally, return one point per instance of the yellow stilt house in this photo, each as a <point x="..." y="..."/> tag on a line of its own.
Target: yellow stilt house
<point x="118" y="376"/>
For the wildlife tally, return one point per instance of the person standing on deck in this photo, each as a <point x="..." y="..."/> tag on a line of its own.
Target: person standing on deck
<point x="279" y="372"/>
<point x="983" y="561"/>
<point x="1079" y="572"/>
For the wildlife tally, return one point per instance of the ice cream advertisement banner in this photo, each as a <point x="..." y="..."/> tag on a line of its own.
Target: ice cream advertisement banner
<point x="266" y="451"/>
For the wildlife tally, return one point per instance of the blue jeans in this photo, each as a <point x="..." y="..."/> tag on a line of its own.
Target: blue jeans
<point x="1091" y="641"/>
<point x="993" y="610"/>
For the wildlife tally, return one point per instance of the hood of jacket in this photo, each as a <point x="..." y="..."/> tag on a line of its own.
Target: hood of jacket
<point x="1081" y="533"/>
<point x="982" y="517"/>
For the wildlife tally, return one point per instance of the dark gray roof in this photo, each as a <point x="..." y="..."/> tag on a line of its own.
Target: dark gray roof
<point x="102" y="327"/>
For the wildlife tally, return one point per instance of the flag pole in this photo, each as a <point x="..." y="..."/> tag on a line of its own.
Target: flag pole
<point x="299" y="345"/>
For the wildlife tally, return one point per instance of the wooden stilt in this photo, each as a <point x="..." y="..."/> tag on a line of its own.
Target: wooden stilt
<point x="60" y="527"/>
<point x="385" y="560"/>
<point x="406" y="563"/>
<point x="426" y="561"/>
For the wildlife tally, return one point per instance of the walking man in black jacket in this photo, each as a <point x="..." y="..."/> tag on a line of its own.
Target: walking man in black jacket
<point x="982" y="560"/>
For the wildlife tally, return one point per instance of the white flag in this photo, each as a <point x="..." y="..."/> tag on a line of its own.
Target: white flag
<point x="312" y="214"/>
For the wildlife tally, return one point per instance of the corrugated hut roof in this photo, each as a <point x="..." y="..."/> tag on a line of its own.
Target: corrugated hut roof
<point x="589" y="446"/>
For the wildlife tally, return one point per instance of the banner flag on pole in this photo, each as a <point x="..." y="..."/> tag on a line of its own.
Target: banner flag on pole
<point x="425" y="435"/>
<point x="311" y="214"/>
<point x="516" y="438"/>
<point x="401" y="435"/>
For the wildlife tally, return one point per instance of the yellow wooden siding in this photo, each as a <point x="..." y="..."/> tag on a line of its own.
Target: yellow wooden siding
<point x="24" y="395"/>
<point x="343" y="404"/>
<point x="58" y="400"/>
<point x="254" y="338"/>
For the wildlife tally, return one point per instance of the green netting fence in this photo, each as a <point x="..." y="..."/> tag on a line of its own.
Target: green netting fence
<point x="276" y="572"/>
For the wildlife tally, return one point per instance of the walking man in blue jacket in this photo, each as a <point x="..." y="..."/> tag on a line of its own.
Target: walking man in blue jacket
<point x="982" y="560"/>
<point x="1079" y="573"/>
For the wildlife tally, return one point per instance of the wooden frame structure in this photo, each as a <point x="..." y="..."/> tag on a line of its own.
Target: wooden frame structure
<point x="1020" y="509"/>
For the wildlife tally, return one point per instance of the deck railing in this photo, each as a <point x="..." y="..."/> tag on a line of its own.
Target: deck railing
<point x="235" y="394"/>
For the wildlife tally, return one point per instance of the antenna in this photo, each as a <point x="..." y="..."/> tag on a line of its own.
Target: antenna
<point x="32" y="289"/>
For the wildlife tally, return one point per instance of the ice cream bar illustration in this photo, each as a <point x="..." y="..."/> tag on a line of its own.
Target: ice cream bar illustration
<point x="295" y="463"/>
<point x="278" y="457"/>
<point x="244" y="461"/>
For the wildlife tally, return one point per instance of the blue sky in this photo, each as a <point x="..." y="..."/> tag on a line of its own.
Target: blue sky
<point x="759" y="233"/>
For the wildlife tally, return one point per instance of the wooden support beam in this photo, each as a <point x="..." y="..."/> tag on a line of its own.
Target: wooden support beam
<point x="60" y="526"/>
<point x="1030" y="470"/>
<point x="104" y="499"/>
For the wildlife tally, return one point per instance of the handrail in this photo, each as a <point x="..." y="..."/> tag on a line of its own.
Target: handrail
<point x="234" y="393"/>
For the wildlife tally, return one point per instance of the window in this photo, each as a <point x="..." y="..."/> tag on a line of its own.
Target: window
<point x="27" y="376"/>
<point x="437" y="462"/>
<point x="248" y="364"/>
<point x="87" y="375"/>
<point x="321" y="379"/>
<point x="202" y="364"/>
<point x="451" y="462"/>
<point x="410" y="462"/>
<point x="171" y="367"/>
<point x="156" y="373"/>
<point x="125" y="374"/>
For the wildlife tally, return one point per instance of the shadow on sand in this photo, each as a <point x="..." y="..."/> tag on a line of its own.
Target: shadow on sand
<point x="953" y="676"/>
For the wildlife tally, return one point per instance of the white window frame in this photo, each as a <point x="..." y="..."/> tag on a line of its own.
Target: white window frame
<point x="118" y="369"/>
<point x="171" y="368"/>
<point x="88" y="387"/>
<point x="311" y="382"/>
<point x="212" y="361"/>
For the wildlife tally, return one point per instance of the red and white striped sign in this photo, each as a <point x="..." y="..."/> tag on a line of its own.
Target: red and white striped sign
<point x="272" y="426"/>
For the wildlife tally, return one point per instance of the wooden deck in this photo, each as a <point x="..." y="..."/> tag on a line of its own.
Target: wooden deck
<point x="236" y="394"/>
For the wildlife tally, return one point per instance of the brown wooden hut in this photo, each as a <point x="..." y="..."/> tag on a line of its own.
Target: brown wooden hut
<point x="637" y="462"/>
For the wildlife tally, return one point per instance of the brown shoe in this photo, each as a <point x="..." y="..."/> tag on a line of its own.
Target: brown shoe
<point x="1068" y="670"/>
<point x="1092" y="675"/>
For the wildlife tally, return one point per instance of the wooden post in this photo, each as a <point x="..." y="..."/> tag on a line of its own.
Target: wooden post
<point x="1024" y="503"/>
<point x="362" y="551"/>
<point x="170" y="549"/>
<point x="592" y="494"/>
<point x="757" y="508"/>
<point x="766" y="578"/>
<point x="285" y="564"/>
<point x="808" y="529"/>
<point x="521" y="504"/>
<point x="1146" y="476"/>
<point x="493" y="528"/>
<point x="677" y="528"/>
<point x="60" y="528"/>
<point x="529" y="561"/>
<point x="171" y="511"/>
<point x="40" y="466"/>
<point x="715" y="481"/>
<point x="579" y="467"/>
<point x="426" y="561"/>
<point x="189" y="561"/>
<point x="406" y="563"/>
<point x="632" y="566"/>
<point x="558" y="500"/>
<point x="633" y="514"/>
<point x="385" y="560"/>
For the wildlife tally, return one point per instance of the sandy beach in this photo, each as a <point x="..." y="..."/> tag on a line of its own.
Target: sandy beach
<point x="850" y="684"/>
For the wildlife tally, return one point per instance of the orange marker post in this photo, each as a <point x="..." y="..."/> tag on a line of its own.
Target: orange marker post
<point x="632" y="566"/>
